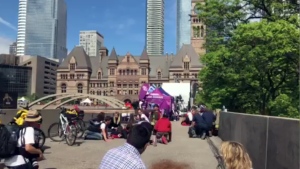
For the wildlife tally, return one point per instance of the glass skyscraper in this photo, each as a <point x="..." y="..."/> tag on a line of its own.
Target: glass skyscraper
<point x="184" y="8"/>
<point x="45" y="28"/>
<point x="155" y="27"/>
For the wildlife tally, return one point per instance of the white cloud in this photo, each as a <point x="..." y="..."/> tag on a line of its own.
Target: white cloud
<point x="6" y="23"/>
<point x="4" y="44"/>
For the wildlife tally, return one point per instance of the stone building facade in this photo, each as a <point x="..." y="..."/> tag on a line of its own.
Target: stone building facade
<point x="122" y="76"/>
<point x="197" y="29"/>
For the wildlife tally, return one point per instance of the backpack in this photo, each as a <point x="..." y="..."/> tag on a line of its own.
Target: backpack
<point x="9" y="135"/>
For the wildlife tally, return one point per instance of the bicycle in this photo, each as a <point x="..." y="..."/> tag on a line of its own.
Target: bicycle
<point x="66" y="129"/>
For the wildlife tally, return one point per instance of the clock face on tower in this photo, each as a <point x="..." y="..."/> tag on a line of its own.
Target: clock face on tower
<point x="197" y="11"/>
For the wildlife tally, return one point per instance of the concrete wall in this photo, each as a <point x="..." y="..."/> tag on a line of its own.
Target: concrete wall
<point x="272" y="142"/>
<point x="49" y="117"/>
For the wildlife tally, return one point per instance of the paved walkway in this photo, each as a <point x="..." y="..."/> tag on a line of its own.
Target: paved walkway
<point x="88" y="154"/>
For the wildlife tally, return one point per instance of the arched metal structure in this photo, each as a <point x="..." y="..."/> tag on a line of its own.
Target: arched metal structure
<point x="101" y="98"/>
<point x="65" y="102"/>
<point x="75" y="96"/>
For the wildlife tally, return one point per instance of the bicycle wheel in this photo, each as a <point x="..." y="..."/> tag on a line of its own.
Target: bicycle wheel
<point x="40" y="137"/>
<point x="71" y="134"/>
<point x="80" y="126"/>
<point x="55" y="132"/>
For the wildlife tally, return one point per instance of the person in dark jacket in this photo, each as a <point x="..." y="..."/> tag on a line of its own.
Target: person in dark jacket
<point x="203" y="122"/>
<point x="94" y="130"/>
<point x="116" y="121"/>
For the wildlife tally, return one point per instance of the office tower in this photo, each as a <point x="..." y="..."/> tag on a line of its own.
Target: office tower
<point x="155" y="27"/>
<point x="91" y="41"/>
<point x="183" y="23"/>
<point x="197" y="29"/>
<point x="21" y="27"/>
<point x="13" y="48"/>
<point x="42" y="28"/>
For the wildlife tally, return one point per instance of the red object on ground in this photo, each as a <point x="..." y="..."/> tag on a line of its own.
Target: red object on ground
<point x="163" y="125"/>
<point x="184" y="124"/>
<point x="164" y="140"/>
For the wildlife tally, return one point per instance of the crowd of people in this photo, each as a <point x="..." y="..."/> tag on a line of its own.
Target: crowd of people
<point x="141" y="130"/>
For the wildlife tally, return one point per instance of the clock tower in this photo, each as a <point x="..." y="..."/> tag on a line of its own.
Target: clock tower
<point x="197" y="29"/>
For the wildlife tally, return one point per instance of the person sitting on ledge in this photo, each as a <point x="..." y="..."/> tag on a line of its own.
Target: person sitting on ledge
<point x="163" y="128"/>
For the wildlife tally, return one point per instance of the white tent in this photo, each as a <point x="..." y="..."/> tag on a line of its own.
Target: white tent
<point x="87" y="100"/>
<point x="22" y="99"/>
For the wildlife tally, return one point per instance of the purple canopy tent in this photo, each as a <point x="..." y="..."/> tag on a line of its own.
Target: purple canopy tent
<point x="161" y="99"/>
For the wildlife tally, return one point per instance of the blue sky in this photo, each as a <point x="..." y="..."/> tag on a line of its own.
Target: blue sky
<point x="122" y="23"/>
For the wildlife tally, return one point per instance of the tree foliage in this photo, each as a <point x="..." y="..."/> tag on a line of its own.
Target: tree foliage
<point x="251" y="66"/>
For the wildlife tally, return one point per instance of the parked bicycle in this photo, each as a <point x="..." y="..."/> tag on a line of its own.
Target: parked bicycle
<point x="65" y="129"/>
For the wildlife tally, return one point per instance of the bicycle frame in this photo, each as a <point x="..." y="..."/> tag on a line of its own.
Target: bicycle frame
<point x="64" y="122"/>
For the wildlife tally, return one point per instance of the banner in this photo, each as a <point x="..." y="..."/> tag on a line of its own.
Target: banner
<point x="151" y="89"/>
<point x="8" y="100"/>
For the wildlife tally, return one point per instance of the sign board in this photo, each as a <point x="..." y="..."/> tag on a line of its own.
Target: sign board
<point x="8" y="100"/>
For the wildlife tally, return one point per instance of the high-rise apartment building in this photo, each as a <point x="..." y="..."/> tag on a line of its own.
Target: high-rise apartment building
<point x="13" y="48"/>
<point x="91" y="41"/>
<point x="155" y="27"/>
<point x="183" y="23"/>
<point x="197" y="29"/>
<point x="21" y="27"/>
<point x="42" y="28"/>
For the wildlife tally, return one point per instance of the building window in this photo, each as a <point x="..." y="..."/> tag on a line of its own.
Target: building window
<point x="119" y="85"/>
<point x="130" y="92"/>
<point x="159" y="75"/>
<point x="92" y="92"/>
<point x="128" y="59"/>
<point x="127" y="72"/>
<point x="99" y="75"/>
<point x="130" y="85"/>
<point x="98" y="92"/>
<point x="196" y="31"/>
<point x="120" y="72"/>
<point x="135" y="72"/>
<point x="79" y="88"/>
<point x="143" y="82"/>
<point x="111" y="84"/>
<point x="136" y="85"/>
<point x="202" y="32"/>
<point x="112" y="71"/>
<point x="186" y="75"/>
<point x="124" y="85"/>
<point x="80" y="76"/>
<point x="186" y="65"/>
<point x="72" y="76"/>
<point x="144" y="71"/>
<point x="63" y="88"/>
<point x="136" y="92"/>
<point x="131" y="72"/>
<point x="72" y="66"/>
<point x="64" y="76"/>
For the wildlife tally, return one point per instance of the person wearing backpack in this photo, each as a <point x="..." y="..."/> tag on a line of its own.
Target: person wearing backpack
<point x="22" y="139"/>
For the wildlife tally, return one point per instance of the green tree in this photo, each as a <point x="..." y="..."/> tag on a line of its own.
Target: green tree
<point x="256" y="66"/>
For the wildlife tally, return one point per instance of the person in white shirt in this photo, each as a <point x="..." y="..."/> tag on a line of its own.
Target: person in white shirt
<point x="188" y="119"/>
<point x="29" y="153"/>
<point x="142" y="115"/>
